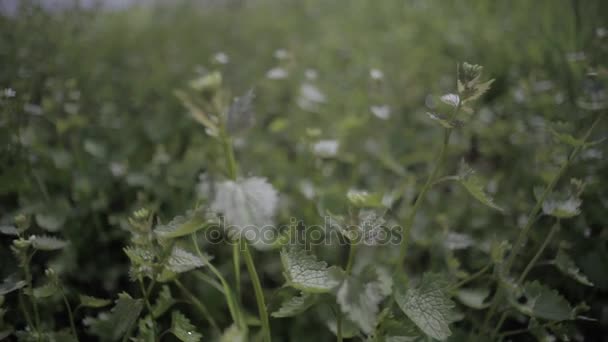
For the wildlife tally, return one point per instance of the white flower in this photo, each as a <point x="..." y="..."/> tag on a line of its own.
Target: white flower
<point x="381" y="112"/>
<point x="376" y="74"/>
<point x="9" y="92"/>
<point x="281" y="54"/>
<point x="277" y="73"/>
<point x="326" y="148"/>
<point x="311" y="74"/>
<point x="221" y="58"/>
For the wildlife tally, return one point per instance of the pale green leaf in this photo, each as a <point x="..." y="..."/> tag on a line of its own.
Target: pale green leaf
<point x="364" y="199"/>
<point x="360" y="296"/>
<point x="474" y="297"/>
<point x="295" y="305"/>
<point x="45" y="291"/>
<point x="305" y="273"/>
<point x="180" y="226"/>
<point x="444" y="120"/>
<point x="475" y="187"/>
<point x="163" y="302"/>
<point x="116" y="323"/>
<point x="93" y="302"/>
<point x="47" y="243"/>
<point x="183" y="329"/>
<point x="9" y="230"/>
<point x="542" y="302"/>
<point x="428" y="305"/>
<point x="10" y="284"/>
<point x="562" y="207"/>
<point x="567" y="266"/>
<point x="234" y="334"/>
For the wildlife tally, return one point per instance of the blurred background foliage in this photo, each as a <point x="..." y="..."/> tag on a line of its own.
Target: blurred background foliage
<point x="93" y="130"/>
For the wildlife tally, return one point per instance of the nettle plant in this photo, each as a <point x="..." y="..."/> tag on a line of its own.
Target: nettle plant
<point x="364" y="298"/>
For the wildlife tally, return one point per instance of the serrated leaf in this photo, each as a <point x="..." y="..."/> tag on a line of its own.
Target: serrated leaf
<point x="360" y="296"/>
<point x="116" y="323"/>
<point x="400" y="330"/>
<point x="240" y="114"/>
<point x="180" y="226"/>
<point x="305" y="273"/>
<point x="562" y="207"/>
<point x="565" y="264"/>
<point x="371" y="229"/>
<point x="444" y="121"/>
<point x="428" y="305"/>
<point x="10" y="284"/>
<point x="567" y="139"/>
<point x="542" y="302"/>
<point x="183" y="329"/>
<point x="477" y="91"/>
<point x="181" y="260"/>
<point x="9" y="230"/>
<point x="249" y="207"/>
<point x="475" y="187"/>
<point x="295" y="305"/>
<point x="47" y="243"/>
<point x="93" y="302"/>
<point x="163" y="302"/>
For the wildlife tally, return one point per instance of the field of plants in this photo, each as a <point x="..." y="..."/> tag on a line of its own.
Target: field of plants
<point x="312" y="170"/>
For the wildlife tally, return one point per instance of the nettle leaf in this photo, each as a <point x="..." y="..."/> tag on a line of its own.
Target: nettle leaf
<point x="475" y="187"/>
<point x="52" y="216"/>
<point x="451" y="99"/>
<point x="45" y="291"/>
<point x="327" y="315"/>
<point x="400" y="330"/>
<point x="445" y="121"/>
<point x="474" y="297"/>
<point x="240" y="115"/>
<point x="181" y="261"/>
<point x="10" y="284"/>
<point x="567" y="266"/>
<point x="114" y="325"/>
<point x="295" y="305"/>
<point x="93" y="302"/>
<point x="163" y="302"/>
<point x="9" y="230"/>
<point x="248" y="206"/>
<point x="371" y="229"/>
<point x="428" y="305"/>
<point x="562" y="207"/>
<point x="542" y="302"/>
<point x="567" y="139"/>
<point x="180" y="226"/>
<point x="183" y="329"/>
<point x="360" y="296"/>
<point x="47" y="243"/>
<point x="305" y="273"/>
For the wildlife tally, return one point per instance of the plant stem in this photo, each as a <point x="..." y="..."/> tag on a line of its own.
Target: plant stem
<point x="199" y="305"/>
<point x="412" y="215"/>
<point x="28" y="280"/>
<point x="145" y="295"/>
<point x="209" y="280"/>
<point x="236" y="261"/>
<point x="259" y="294"/>
<point x="351" y="258"/>
<point x="471" y="277"/>
<point x="339" y="325"/>
<point x="523" y="234"/>
<point x="70" y="314"/>
<point x="233" y="306"/>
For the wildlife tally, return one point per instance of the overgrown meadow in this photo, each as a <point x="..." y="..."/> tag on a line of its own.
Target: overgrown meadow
<point x="305" y="171"/>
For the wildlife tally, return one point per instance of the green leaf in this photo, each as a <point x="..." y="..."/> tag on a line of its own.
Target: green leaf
<point x="567" y="266"/>
<point x="562" y="206"/>
<point x="327" y="315"/>
<point x="180" y="226"/>
<point x="451" y="100"/>
<point x="428" y="305"/>
<point x="163" y="302"/>
<point x="399" y="330"/>
<point x="183" y="329"/>
<point x="181" y="261"/>
<point x="116" y="323"/>
<point x="47" y="243"/>
<point x="93" y="302"/>
<point x="9" y="230"/>
<point x="295" y="305"/>
<point x="360" y="296"/>
<point x="444" y="121"/>
<point x="567" y="138"/>
<point x="10" y="284"/>
<point x="249" y="207"/>
<point x="475" y="187"/>
<point x="477" y="91"/>
<point x="234" y="334"/>
<point x="474" y="297"/>
<point x="305" y="273"/>
<point x="542" y="302"/>
<point x="371" y="229"/>
<point x="45" y="291"/>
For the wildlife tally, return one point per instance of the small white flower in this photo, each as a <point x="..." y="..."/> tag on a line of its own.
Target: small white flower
<point x="376" y="74"/>
<point x="311" y="74"/>
<point x="221" y="58"/>
<point x="381" y="112"/>
<point x="451" y="99"/>
<point x="312" y="93"/>
<point x="277" y="73"/>
<point x="326" y="148"/>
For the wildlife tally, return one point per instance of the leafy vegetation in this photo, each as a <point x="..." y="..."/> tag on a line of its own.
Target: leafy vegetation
<point x="305" y="170"/>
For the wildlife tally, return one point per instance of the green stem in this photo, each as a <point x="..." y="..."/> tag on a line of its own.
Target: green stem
<point x="259" y="294"/>
<point x="351" y="258"/>
<point x="28" y="280"/>
<point x="209" y="280"/>
<point x="70" y="314"/>
<point x="412" y="215"/>
<point x="523" y="234"/>
<point x="26" y="314"/>
<point x="233" y="306"/>
<point x="471" y="277"/>
<point x="199" y="305"/>
<point x="236" y="263"/>
<point x="339" y="325"/>
<point x="146" y="294"/>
